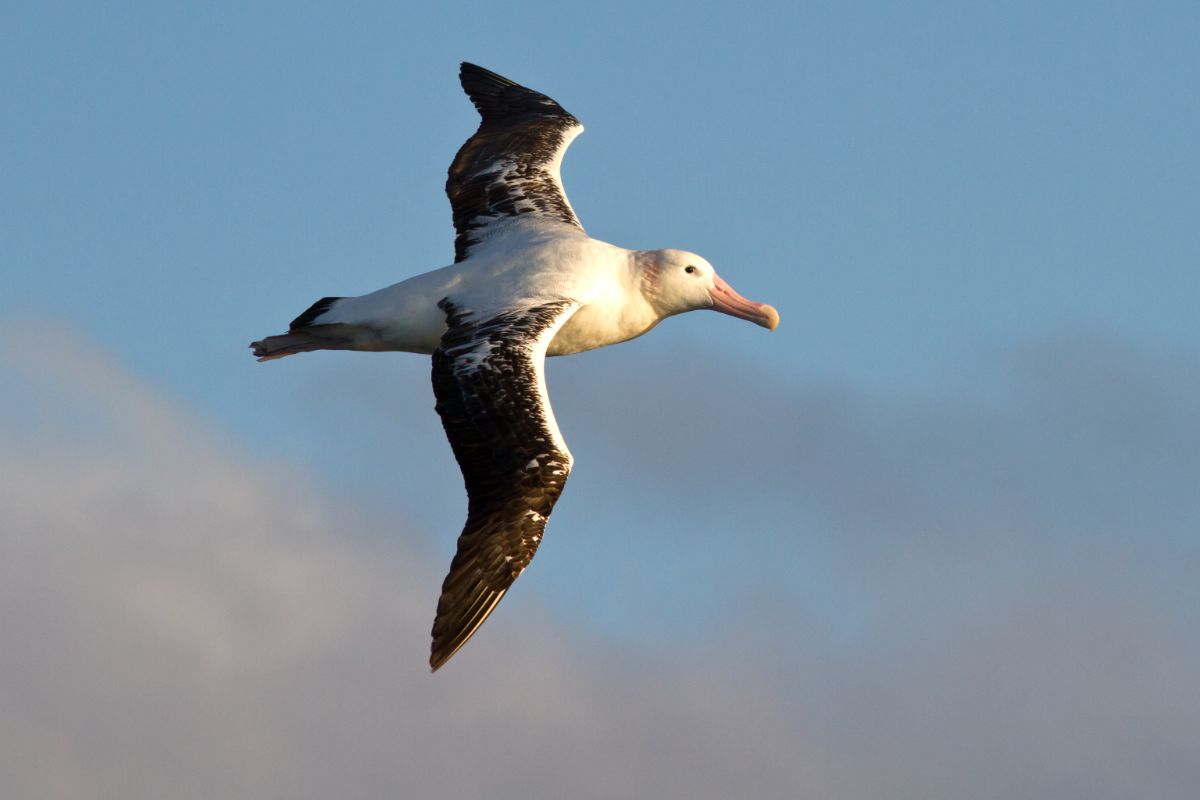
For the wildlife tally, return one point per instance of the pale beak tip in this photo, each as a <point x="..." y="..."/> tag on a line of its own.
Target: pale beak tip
<point x="772" y="317"/>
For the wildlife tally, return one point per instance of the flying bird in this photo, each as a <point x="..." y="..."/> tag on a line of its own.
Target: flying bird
<point x="526" y="282"/>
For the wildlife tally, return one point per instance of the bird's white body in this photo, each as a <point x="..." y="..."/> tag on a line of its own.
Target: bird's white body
<point x="523" y="265"/>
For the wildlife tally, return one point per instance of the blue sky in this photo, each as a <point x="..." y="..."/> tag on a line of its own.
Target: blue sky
<point x="972" y="435"/>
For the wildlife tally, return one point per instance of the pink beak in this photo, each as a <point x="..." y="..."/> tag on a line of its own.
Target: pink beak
<point x="727" y="301"/>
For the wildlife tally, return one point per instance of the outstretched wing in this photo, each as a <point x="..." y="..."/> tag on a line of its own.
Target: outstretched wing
<point x="510" y="167"/>
<point x="491" y="395"/>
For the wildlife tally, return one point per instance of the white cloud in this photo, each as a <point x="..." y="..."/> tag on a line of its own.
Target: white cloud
<point x="183" y="620"/>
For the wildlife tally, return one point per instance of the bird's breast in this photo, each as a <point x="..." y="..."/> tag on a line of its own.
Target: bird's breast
<point x="601" y="323"/>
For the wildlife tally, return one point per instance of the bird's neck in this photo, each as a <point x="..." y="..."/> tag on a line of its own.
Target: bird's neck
<point x="645" y="275"/>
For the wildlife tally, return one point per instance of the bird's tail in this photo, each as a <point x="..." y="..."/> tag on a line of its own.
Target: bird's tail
<point x="301" y="341"/>
<point x="305" y="335"/>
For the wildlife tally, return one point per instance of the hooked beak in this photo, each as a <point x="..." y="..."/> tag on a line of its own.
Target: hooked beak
<point x="727" y="301"/>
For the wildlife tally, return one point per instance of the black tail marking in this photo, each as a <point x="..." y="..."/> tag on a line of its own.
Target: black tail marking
<point x="315" y="310"/>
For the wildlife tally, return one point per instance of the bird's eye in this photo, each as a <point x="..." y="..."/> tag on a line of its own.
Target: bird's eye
<point x="689" y="269"/>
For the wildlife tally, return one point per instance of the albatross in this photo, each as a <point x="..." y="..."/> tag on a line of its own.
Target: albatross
<point x="526" y="282"/>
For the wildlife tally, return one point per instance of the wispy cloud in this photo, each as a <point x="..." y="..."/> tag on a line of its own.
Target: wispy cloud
<point x="183" y="619"/>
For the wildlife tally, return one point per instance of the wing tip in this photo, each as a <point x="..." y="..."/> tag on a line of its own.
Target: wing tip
<point x="437" y="659"/>
<point x="467" y="70"/>
<point x="498" y="97"/>
<point x="445" y="645"/>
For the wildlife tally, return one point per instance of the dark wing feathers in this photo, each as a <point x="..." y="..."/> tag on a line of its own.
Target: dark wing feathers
<point x="509" y="167"/>
<point x="500" y="100"/>
<point x="487" y="378"/>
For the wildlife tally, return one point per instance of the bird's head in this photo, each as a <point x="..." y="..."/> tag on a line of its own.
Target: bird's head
<point x="675" y="281"/>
